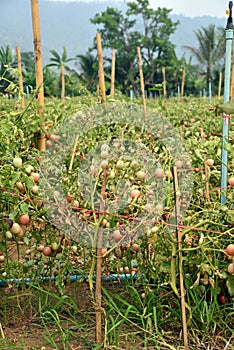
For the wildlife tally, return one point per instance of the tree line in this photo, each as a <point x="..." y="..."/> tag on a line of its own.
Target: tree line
<point x="139" y="26"/>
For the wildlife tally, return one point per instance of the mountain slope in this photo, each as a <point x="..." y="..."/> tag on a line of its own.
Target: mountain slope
<point x="68" y="24"/>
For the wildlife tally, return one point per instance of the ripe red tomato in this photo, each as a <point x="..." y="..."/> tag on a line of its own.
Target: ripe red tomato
<point x="35" y="176"/>
<point x="159" y="173"/>
<point x="24" y="219"/>
<point x="47" y="251"/>
<point x="230" y="249"/>
<point x="104" y="251"/>
<point x="117" y="236"/>
<point x="126" y="269"/>
<point x="222" y="299"/>
<point x="135" y="194"/>
<point x="135" y="247"/>
<point x="40" y="248"/>
<point x="69" y="198"/>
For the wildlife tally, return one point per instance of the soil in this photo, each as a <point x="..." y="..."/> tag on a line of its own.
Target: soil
<point x="24" y="329"/>
<point x="22" y="326"/>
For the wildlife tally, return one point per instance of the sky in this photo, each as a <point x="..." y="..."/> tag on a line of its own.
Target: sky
<point x="190" y="8"/>
<point x="193" y="8"/>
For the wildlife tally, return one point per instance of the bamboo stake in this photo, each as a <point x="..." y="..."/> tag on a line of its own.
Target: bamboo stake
<point x="182" y="85"/>
<point x="73" y="154"/>
<point x="179" y="238"/>
<point x="63" y="83"/>
<point x="101" y="68"/>
<point x="1" y="331"/>
<point x="141" y="80"/>
<point x="202" y="135"/>
<point x="38" y="66"/>
<point x="220" y="84"/>
<point x="207" y="174"/>
<point x="98" y="292"/>
<point x="113" y="74"/>
<point x="21" y="87"/>
<point x="164" y="83"/>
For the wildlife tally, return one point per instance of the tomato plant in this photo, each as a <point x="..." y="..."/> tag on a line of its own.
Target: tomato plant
<point x="42" y="249"/>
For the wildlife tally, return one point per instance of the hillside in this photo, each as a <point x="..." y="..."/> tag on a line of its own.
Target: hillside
<point x="68" y="24"/>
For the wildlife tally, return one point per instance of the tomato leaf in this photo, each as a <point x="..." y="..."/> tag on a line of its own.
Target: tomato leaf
<point x="13" y="214"/>
<point x="24" y="208"/>
<point x="230" y="285"/>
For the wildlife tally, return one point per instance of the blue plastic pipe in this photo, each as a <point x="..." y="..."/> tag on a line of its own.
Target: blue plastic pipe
<point x="178" y="91"/>
<point x="210" y="92"/>
<point x="225" y="124"/>
<point x="113" y="277"/>
<point x="131" y="94"/>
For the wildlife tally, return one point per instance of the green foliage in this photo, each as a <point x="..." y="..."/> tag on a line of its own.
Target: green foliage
<point x="211" y="51"/>
<point x="120" y="31"/>
<point x="88" y="70"/>
<point x="227" y="107"/>
<point x="146" y="307"/>
<point x="6" y="62"/>
<point x="58" y="61"/>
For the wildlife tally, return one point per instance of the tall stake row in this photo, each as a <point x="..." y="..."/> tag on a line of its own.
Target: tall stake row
<point x="21" y="87"/>
<point x="38" y="66"/>
<point x="41" y="146"/>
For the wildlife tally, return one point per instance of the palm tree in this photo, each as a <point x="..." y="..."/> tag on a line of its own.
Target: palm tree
<point x="7" y="59"/>
<point x="88" y="70"/>
<point x="61" y="63"/>
<point x="50" y="78"/>
<point x="28" y="66"/>
<point x="211" y="49"/>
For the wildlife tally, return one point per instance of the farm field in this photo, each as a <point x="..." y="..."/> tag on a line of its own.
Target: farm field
<point x="107" y="179"/>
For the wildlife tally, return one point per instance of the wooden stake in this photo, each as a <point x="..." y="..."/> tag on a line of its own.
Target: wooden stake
<point x="202" y="136"/>
<point x="179" y="238"/>
<point x="141" y="80"/>
<point x="98" y="293"/>
<point x="63" y="84"/>
<point x="164" y="83"/>
<point x="73" y="154"/>
<point x="1" y="331"/>
<point x="38" y="66"/>
<point x="220" y="84"/>
<point x="113" y="74"/>
<point x="207" y="173"/>
<point x="21" y="87"/>
<point x="101" y="68"/>
<point x="182" y="85"/>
